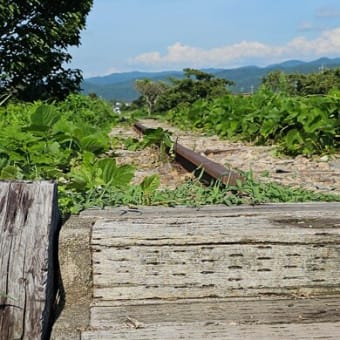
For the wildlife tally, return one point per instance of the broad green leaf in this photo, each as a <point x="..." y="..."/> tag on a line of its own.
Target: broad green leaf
<point x="95" y="143"/>
<point x="3" y="162"/>
<point x="44" y="116"/>
<point x="53" y="148"/>
<point x="113" y="175"/>
<point x="82" y="178"/>
<point x="109" y="169"/>
<point x="294" y="140"/>
<point x="150" y="184"/>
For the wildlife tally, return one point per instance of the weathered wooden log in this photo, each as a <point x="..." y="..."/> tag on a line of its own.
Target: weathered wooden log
<point x="162" y="273"/>
<point x="219" y="331"/>
<point x="202" y="254"/>
<point x="29" y="226"/>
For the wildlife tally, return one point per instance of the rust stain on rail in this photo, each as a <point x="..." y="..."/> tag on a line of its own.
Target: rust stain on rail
<point x="195" y="162"/>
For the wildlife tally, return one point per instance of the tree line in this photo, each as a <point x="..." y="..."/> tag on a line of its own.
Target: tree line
<point x="160" y="96"/>
<point x="303" y="84"/>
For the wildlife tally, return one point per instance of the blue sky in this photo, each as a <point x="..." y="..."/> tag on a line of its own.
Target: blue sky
<point x="154" y="35"/>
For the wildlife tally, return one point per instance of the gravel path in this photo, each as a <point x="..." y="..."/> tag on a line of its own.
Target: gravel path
<point x="320" y="173"/>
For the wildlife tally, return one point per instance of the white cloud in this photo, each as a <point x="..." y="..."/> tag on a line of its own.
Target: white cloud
<point x="179" y="55"/>
<point x="328" y="43"/>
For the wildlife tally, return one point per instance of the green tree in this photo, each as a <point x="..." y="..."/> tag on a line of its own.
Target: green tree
<point x="194" y="86"/>
<point x="150" y="91"/>
<point x="34" y="37"/>
<point x="303" y="84"/>
<point x="321" y="82"/>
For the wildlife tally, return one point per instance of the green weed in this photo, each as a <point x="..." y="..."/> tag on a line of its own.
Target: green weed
<point x="298" y="125"/>
<point x="192" y="193"/>
<point x="68" y="142"/>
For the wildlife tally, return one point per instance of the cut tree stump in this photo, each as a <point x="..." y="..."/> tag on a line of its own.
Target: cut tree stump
<point x="29" y="225"/>
<point x="263" y="272"/>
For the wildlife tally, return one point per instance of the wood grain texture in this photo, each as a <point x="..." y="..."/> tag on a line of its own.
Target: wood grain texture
<point x="29" y="224"/>
<point x="209" y="255"/>
<point x="285" y="209"/>
<point x="268" y="272"/>
<point x="219" y="330"/>
<point x="236" y="310"/>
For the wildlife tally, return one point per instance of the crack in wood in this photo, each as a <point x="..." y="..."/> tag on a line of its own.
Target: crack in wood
<point x="27" y="240"/>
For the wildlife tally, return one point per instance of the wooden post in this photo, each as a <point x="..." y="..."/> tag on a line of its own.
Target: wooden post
<point x="29" y="226"/>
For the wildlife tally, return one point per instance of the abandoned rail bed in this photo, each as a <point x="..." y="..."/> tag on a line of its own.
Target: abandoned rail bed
<point x="193" y="161"/>
<point x="319" y="174"/>
<point x="254" y="272"/>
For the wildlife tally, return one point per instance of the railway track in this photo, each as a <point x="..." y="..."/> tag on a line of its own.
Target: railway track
<point x="226" y="159"/>
<point x="208" y="170"/>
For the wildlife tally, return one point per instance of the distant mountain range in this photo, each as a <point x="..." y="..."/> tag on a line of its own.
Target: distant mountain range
<point x="120" y="86"/>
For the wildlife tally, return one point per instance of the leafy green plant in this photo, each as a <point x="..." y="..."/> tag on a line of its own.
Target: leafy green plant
<point x="49" y="141"/>
<point x="298" y="125"/>
<point x="254" y="192"/>
<point x="68" y="142"/>
<point x="159" y="137"/>
<point x="91" y="173"/>
<point x="149" y="186"/>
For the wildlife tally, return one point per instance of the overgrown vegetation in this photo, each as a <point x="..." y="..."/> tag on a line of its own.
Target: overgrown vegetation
<point x="69" y="142"/>
<point x="300" y="84"/>
<point x="65" y="141"/>
<point x="298" y="125"/>
<point x="297" y="112"/>
<point x="194" y="194"/>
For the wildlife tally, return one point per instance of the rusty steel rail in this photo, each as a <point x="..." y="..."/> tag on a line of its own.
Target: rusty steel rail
<point x="207" y="169"/>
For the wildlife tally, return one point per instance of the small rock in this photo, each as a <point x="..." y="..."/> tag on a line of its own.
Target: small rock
<point x="335" y="164"/>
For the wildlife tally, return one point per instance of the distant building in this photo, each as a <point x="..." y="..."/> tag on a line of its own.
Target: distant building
<point x="116" y="108"/>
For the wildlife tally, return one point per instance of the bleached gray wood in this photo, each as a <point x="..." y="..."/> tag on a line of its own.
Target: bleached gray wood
<point x="284" y="209"/>
<point x="28" y="237"/>
<point x="163" y="273"/>
<point x="216" y="230"/>
<point x="240" y="311"/>
<point x="199" y="271"/>
<point x="149" y="257"/>
<point x="219" y="330"/>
